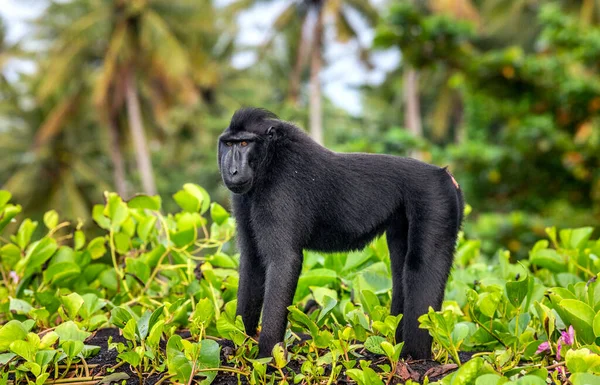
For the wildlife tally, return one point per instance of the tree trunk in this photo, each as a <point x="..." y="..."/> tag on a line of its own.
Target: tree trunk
<point x="412" y="109"/>
<point x="138" y="136"/>
<point x="316" y="115"/>
<point x="116" y="156"/>
<point x="301" y="57"/>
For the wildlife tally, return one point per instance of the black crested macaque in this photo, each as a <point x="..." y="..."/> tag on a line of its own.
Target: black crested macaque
<point x="290" y="194"/>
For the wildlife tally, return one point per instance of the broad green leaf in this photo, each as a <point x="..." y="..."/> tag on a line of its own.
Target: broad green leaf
<point x="328" y="305"/>
<point x="97" y="248"/>
<point x="4" y="198"/>
<point x="145" y="202"/>
<point x="24" y="349"/>
<point x="145" y="227"/>
<point x="51" y="219"/>
<point x="38" y="253"/>
<point x="24" y="233"/>
<point x="530" y="380"/>
<point x="69" y="331"/>
<point x="596" y="324"/>
<point x="490" y="379"/>
<point x="200" y="194"/>
<point x="218" y="214"/>
<point x="581" y="316"/>
<point x="549" y="259"/>
<point x="72" y="303"/>
<point x="99" y="217"/>
<point x="9" y="332"/>
<point x="7" y="215"/>
<point x="19" y="306"/>
<point x="48" y="340"/>
<point x="584" y="379"/>
<point x="582" y="361"/>
<point x="116" y="210"/>
<point x="279" y="356"/>
<point x="516" y="291"/>
<point x="132" y="358"/>
<point x="177" y="363"/>
<point x="575" y="238"/>
<point x="72" y="347"/>
<point x="79" y="239"/>
<point x="187" y="201"/>
<point x="91" y="304"/>
<point x="373" y="344"/>
<point x="61" y="272"/>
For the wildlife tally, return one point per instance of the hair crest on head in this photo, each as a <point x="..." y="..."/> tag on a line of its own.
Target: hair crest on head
<point x="247" y="116"/>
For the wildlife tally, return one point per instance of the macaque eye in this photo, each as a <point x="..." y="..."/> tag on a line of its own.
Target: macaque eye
<point x="228" y="144"/>
<point x="244" y="144"/>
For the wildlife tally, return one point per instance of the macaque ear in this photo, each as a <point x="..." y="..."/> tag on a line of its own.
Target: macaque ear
<point x="273" y="132"/>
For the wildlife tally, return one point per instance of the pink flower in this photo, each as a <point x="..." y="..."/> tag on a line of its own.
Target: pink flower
<point x="568" y="337"/>
<point x="543" y="347"/>
<point x="14" y="276"/>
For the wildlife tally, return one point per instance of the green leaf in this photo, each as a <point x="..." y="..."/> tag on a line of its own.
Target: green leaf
<point x="4" y="198"/>
<point x="373" y="344"/>
<point x="51" y="219"/>
<point x="516" y="291"/>
<point x="24" y="349"/>
<point x="218" y="213"/>
<point x="7" y="215"/>
<point x="584" y="379"/>
<point x="145" y="202"/>
<point x="581" y="316"/>
<point x="79" y="239"/>
<point x="279" y="356"/>
<point x="24" y="233"/>
<point x="48" y="340"/>
<point x="116" y="210"/>
<point x="582" y="361"/>
<point x="72" y="348"/>
<point x="145" y="226"/>
<point x="187" y="201"/>
<point x="72" y="303"/>
<point x="61" y="272"/>
<point x="467" y="373"/>
<point x="490" y="379"/>
<point x="39" y="252"/>
<point x="200" y="194"/>
<point x="69" y="331"/>
<point x="530" y="380"/>
<point x="575" y="238"/>
<point x="549" y="259"/>
<point x="9" y="332"/>
<point x="97" y="248"/>
<point x="19" y="306"/>
<point x="132" y="358"/>
<point x="208" y="358"/>
<point x="328" y="305"/>
<point x="596" y="325"/>
<point x="177" y="363"/>
<point x="99" y="217"/>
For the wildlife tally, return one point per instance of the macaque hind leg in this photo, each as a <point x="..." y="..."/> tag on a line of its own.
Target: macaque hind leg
<point x="426" y="270"/>
<point x="397" y="240"/>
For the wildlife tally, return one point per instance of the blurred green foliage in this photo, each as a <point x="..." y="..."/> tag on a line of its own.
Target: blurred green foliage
<point x="509" y="95"/>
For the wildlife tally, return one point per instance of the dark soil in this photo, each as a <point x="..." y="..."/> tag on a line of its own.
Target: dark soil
<point x="415" y="370"/>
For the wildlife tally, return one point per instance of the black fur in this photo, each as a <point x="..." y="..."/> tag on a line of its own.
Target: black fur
<point x="291" y="194"/>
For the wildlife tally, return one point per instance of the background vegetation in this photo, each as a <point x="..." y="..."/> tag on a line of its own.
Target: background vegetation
<point x="129" y="96"/>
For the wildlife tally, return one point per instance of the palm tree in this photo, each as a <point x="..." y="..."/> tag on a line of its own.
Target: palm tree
<point x="315" y="17"/>
<point x="129" y="46"/>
